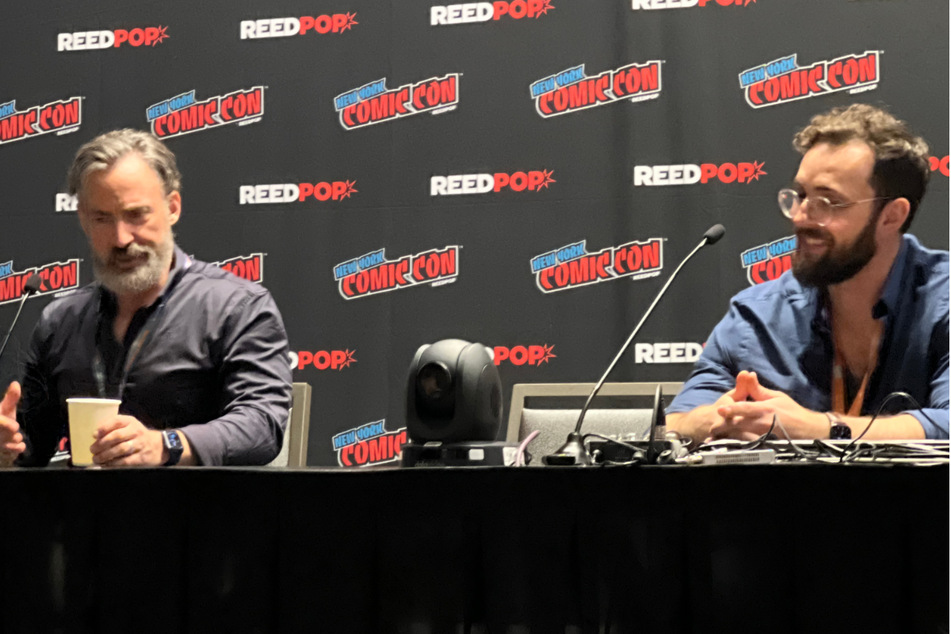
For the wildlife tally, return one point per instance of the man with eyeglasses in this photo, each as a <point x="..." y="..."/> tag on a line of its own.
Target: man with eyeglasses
<point x="862" y="314"/>
<point x="197" y="356"/>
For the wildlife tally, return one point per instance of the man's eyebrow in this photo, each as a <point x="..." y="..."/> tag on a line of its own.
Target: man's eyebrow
<point x="821" y="188"/>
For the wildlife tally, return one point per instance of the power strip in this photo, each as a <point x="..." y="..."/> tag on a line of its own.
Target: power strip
<point x="753" y="456"/>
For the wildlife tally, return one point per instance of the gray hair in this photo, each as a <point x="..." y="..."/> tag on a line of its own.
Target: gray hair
<point x="106" y="149"/>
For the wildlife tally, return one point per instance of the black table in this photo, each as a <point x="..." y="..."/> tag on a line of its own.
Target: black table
<point x="781" y="548"/>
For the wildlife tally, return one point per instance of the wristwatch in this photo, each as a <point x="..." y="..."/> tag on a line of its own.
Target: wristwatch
<point x="838" y="430"/>
<point x="173" y="443"/>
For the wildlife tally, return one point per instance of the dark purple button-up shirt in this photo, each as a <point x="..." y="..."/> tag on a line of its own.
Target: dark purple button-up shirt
<point x="215" y="365"/>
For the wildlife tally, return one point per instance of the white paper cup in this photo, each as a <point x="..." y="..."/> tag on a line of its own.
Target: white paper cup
<point x="85" y="415"/>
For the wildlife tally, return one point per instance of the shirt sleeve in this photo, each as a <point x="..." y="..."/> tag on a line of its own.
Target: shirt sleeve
<point x="38" y="412"/>
<point x="934" y="415"/>
<point x="255" y="388"/>
<point x="715" y="371"/>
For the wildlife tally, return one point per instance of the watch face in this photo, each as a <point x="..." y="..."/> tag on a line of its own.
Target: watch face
<point x="174" y="445"/>
<point x="172" y="441"/>
<point x="840" y="431"/>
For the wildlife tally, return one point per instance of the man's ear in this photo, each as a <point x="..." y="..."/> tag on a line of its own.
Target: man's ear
<point x="894" y="214"/>
<point x="174" y="207"/>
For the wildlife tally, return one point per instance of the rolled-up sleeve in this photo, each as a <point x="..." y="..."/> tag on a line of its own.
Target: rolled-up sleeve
<point x="934" y="415"/>
<point x="715" y="371"/>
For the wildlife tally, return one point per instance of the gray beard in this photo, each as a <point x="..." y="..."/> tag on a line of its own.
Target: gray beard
<point x="144" y="277"/>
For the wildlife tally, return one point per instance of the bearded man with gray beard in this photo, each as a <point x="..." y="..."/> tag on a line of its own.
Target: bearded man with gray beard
<point x="197" y="356"/>
<point x="862" y="314"/>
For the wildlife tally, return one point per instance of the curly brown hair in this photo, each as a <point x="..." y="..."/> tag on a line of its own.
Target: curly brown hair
<point x="901" y="158"/>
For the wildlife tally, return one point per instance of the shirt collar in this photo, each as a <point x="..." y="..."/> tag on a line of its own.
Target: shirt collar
<point x="887" y="302"/>
<point x="891" y="291"/>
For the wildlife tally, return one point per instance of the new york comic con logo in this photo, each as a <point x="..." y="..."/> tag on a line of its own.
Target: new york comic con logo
<point x="183" y="114"/>
<point x="572" y="90"/>
<point x="93" y="40"/>
<point x="247" y="267"/>
<point x="368" y="445"/>
<point x="373" y="103"/>
<point x="572" y="266"/>
<point x="372" y="273"/>
<point x="61" y="117"/>
<point x="767" y="262"/>
<point x="471" y="12"/>
<point x="783" y="80"/>
<point x="57" y="277"/>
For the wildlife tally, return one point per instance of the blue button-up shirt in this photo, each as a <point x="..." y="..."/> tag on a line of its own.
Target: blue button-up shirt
<point x="781" y="331"/>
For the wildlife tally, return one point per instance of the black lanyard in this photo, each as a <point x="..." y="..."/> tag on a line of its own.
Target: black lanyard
<point x="142" y="338"/>
<point x="145" y="334"/>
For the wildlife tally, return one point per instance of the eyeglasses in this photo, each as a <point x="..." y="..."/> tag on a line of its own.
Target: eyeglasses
<point x="820" y="208"/>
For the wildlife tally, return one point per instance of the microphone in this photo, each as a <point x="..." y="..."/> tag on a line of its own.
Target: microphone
<point x="712" y="236"/>
<point x="573" y="451"/>
<point x="32" y="285"/>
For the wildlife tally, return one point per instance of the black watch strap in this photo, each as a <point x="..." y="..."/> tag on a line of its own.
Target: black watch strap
<point x="173" y="442"/>
<point x="838" y="430"/>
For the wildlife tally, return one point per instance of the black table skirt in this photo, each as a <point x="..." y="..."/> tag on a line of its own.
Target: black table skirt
<point x="780" y="548"/>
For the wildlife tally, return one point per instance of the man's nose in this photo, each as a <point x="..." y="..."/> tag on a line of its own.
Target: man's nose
<point x="801" y="213"/>
<point x="125" y="235"/>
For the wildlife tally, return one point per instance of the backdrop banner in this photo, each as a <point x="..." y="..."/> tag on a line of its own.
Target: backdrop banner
<point x="524" y="174"/>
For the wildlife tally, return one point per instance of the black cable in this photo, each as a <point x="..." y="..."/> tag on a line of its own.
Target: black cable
<point x="799" y="452"/>
<point x="878" y="412"/>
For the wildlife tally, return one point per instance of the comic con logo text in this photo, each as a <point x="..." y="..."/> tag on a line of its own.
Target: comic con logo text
<point x="572" y="266"/>
<point x="286" y="27"/>
<point x="768" y="261"/>
<point x="295" y="192"/>
<point x="571" y="90"/>
<point x="93" y="40"/>
<point x="686" y="4"/>
<point x="247" y="267"/>
<point x="368" y="444"/>
<point x="372" y="273"/>
<point x="484" y="11"/>
<point x="60" y="117"/>
<point x="783" y="80"/>
<point x="57" y="277"/>
<point x="454" y="184"/>
<point x="322" y="359"/>
<point x="689" y="174"/>
<point x="373" y="103"/>
<point x="183" y="114"/>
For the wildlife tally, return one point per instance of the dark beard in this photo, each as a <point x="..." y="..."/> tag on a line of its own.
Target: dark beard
<point x="839" y="263"/>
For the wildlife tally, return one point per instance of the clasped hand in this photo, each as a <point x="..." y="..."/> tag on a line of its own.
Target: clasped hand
<point x="746" y="413"/>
